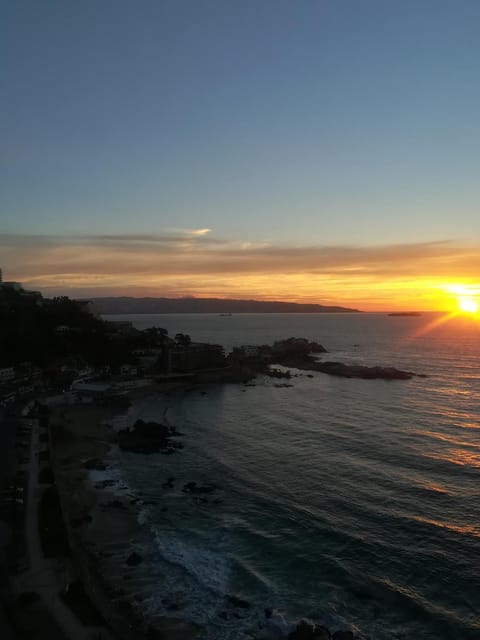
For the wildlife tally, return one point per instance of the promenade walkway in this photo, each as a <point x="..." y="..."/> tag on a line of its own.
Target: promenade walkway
<point x="48" y="576"/>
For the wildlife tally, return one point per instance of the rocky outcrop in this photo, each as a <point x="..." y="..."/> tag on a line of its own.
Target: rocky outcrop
<point x="309" y="631"/>
<point x="94" y="464"/>
<point x="309" y="363"/>
<point x="194" y="488"/>
<point x="362" y="371"/>
<point x="238" y="602"/>
<point x="298" y="353"/>
<point x="343" y="635"/>
<point x="134" y="559"/>
<point x="297" y="346"/>
<point x="149" y="437"/>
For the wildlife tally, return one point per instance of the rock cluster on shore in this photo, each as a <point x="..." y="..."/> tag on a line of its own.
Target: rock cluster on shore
<point x="300" y="353"/>
<point x="149" y="437"/>
<point x="362" y="371"/>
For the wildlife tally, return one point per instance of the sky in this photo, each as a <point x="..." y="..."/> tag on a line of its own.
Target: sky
<point x="321" y="151"/>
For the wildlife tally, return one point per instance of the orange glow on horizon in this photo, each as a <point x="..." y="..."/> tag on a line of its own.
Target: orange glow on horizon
<point x="365" y="292"/>
<point x="370" y="294"/>
<point x="385" y="278"/>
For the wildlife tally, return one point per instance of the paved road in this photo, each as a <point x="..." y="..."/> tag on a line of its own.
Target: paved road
<point x="7" y="441"/>
<point x="7" y="468"/>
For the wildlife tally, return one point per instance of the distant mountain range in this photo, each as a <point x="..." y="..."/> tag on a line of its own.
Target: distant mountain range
<point x="206" y="305"/>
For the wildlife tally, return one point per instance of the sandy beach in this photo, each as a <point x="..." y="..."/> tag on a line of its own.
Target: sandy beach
<point x="101" y="517"/>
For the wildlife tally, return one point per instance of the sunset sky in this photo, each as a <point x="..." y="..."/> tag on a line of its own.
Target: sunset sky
<point x="322" y="151"/>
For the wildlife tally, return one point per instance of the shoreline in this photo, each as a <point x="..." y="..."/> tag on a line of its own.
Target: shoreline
<point x="95" y="503"/>
<point x="93" y="510"/>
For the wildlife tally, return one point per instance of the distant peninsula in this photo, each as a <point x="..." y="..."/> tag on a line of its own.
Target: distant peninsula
<point x="405" y="313"/>
<point x="126" y="305"/>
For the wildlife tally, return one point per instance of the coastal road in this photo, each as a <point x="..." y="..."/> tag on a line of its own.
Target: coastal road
<point x="7" y="465"/>
<point x="47" y="576"/>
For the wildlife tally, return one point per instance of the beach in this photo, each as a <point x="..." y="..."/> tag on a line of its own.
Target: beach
<point x="101" y="516"/>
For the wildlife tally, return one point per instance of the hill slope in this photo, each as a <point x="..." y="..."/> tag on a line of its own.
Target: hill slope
<point x="206" y="305"/>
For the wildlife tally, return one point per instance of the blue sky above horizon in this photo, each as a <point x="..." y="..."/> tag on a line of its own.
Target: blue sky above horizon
<point x="327" y="123"/>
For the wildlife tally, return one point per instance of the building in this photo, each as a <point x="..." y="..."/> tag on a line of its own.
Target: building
<point x="128" y="370"/>
<point x="16" y="286"/>
<point x="7" y="374"/>
<point x="195" y="356"/>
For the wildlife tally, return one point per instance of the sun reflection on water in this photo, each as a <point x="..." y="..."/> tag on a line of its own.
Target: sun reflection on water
<point x="465" y="529"/>
<point x="458" y="457"/>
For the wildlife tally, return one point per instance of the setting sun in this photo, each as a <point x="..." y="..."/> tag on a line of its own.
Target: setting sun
<point x="468" y="305"/>
<point x="463" y="298"/>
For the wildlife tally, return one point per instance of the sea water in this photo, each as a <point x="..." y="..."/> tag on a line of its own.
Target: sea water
<point x="352" y="502"/>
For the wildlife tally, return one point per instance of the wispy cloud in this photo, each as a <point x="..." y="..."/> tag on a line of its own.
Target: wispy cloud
<point x="191" y="232"/>
<point x="199" y="232"/>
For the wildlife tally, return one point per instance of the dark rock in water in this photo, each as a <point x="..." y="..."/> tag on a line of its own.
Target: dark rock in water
<point x="169" y="483"/>
<point x="148" y="437"/>
<point x="298" y="353"/>
<point x="321" y="633"/>
<point x="134" y="559"/>
<point x="168" y="451"/>
<point x="238" y="602"/>
<point x="361" y="371"/>
<point x="343" y="635"/>
<point x="192" y="487"/>
<point x="276" y="373"/>
<point x="114" y="504"/>
<point x="268" y="613"/>
<point x="152" y="429"/>
<point x="297" y="346"/>
<point x="95" y="464"/>
<point x="154" y="634"/>
<point x="308" y="631"/>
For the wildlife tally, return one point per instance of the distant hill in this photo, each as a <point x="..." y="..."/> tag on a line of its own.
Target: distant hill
<point x="206" y="305"/>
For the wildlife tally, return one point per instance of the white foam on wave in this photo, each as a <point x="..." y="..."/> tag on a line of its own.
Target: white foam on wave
<point x="210" y="568"/>
<point x="143" y="516"/>
<point x="110" y="480"/>
<point x="194" y="585"/>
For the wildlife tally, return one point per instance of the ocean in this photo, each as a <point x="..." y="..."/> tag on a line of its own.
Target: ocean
<point x="351" y="502"/>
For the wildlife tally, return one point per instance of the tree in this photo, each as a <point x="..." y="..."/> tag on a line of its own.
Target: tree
<point x="183" y="339"/>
